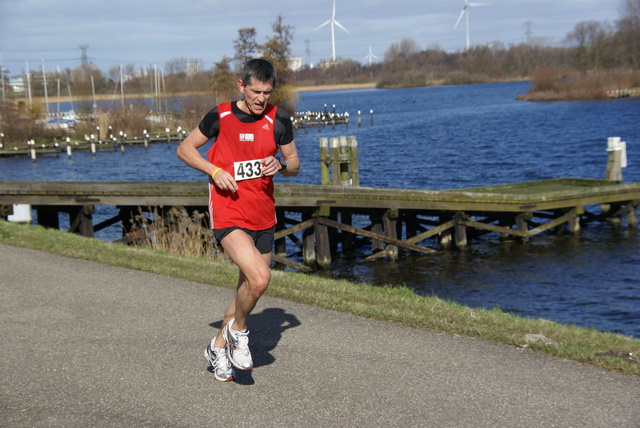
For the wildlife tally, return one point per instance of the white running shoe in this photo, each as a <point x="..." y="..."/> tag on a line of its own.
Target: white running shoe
<point x="238" y="347"/>
<point x="222" y="370"/>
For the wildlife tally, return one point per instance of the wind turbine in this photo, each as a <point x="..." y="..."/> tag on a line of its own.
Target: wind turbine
<point x="370" y="56"/>
<point x="333" y="21"/>
<point x="465" y="11"/>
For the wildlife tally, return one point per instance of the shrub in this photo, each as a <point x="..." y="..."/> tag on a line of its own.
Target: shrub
<point x="174" y="231"/>
<point x="544" y="79"/>
<point x="20" y="124"/>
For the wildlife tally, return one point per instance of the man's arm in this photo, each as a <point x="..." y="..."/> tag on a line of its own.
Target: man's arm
<point x="188" y="153"/>
<point x="290" y="155"/>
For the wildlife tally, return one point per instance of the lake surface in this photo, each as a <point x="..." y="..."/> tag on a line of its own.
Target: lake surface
<point x="447" y="138"/>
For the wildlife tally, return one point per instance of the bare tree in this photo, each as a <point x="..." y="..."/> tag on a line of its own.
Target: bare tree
<point x="245" y="46"/>
<point x="402" y="50"/>
<point x="628" y="33"/>
<point x="277" y="49"/>
<point x="175" y="65"/>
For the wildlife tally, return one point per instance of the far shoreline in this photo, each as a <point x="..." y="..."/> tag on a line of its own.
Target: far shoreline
<point x="336" y="87"/>
<point x="103" y="97"/>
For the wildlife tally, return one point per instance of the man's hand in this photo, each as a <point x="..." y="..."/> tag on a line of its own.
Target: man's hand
<point x="225" y="181"/>
<point x="270" y="165"/>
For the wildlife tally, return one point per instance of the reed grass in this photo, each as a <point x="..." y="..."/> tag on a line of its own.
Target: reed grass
<point x="175" y="231"/>
<point x="390" y="303"/>
<point x="550" y="85"/>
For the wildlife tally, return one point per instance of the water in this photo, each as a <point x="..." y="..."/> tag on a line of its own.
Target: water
<point x="447" y="138"/>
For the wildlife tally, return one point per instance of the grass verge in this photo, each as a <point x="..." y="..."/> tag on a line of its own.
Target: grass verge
<point x="395" y="304"/>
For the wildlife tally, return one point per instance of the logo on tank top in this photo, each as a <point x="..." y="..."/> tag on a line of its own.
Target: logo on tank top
<point x="246" y="137"/>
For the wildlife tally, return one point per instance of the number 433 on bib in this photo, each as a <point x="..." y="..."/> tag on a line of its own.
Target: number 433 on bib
<point x="247" y="170"/>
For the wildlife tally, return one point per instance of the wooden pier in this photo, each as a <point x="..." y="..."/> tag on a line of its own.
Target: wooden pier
<point x="114" y="141"/>
<point x="92" y="144"/>
<point x="323" y="219"/>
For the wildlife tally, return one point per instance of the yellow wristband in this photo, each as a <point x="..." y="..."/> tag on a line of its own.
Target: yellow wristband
<point x="214" y="173"/>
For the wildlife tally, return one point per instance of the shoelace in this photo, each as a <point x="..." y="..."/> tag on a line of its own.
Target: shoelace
<point x="242" y="343"/>
<point x="222" y="361"/>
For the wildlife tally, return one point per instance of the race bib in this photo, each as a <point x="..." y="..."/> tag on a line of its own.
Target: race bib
<point x="247" y="170"/>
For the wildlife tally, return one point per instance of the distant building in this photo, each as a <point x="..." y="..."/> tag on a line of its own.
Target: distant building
<point x="17" y="83"/>
<point x="192" y="68"/>
<point x="295" y="63"/>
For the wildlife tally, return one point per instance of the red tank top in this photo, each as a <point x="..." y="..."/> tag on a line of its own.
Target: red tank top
<point x="252" y="206"/>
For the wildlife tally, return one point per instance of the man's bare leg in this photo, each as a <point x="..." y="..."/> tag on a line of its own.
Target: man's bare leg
<point x="253" y="279"/>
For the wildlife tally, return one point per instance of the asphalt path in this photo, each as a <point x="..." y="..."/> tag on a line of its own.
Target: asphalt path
<point x="90" y="345"/>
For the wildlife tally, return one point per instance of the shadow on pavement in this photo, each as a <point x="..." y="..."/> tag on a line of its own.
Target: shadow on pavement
<point x="266" y="330"/>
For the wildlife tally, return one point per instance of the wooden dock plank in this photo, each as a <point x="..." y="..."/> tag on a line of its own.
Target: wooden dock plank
<point x="541" y="195"/>
<point x="557" y="200"/>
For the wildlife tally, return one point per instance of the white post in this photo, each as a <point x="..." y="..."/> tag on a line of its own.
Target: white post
<point x="44" y="80"/>
<point x="2" y="77"/>
<point x="32" y="144"/>
<point x="617" y="158"/>
<point x="28" y="83"/>
<point x="121" y="87"/>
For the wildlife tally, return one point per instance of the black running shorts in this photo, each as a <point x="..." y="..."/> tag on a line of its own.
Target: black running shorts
<point x="263" y="239"/>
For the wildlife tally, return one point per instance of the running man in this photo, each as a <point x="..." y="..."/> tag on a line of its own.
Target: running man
<point x="240" y="165"/>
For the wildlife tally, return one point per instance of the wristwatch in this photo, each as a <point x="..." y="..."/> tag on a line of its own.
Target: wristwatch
<point x="283" y="163"/>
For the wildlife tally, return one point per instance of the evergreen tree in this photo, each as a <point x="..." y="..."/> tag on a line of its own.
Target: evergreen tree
<point x="224" y="81"/>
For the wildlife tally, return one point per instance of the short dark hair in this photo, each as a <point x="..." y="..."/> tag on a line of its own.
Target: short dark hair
<point x="261" y="70"/>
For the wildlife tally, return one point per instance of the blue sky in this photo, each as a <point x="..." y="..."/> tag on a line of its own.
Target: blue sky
<point x="147" y="33"/>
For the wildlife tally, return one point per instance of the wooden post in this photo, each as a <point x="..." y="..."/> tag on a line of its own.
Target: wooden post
<point x="632" y="215"/>
<point x="617" y="159"/>
<point x="613" y="213"/>
<point x="280" y="245"/>
<point x="460" y="230"/>
<point x="353" y="150"/>
<point x="335" y="161"/>
<point x="48" y="217"/>
<point x="377" y="228"/>
<point x="446" y="236"/>
<point x="574" y="220"/>
<point x="127" y="219"/>
<point x="325" y="176"/>
<point x="521" y="223"/>
<point x="346" y="217"/>
<point x="411" y="223"/>
<point x="343" y="155"/>
<point x="80" y="220"/>
<point x="308" y="242"/>
<point x="323" y="252"/>
<point x="390" y="222"/>
<point x="615" y="162"/>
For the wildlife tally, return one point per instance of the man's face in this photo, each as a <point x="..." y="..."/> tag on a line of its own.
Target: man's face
<point x="256" y="95"/>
